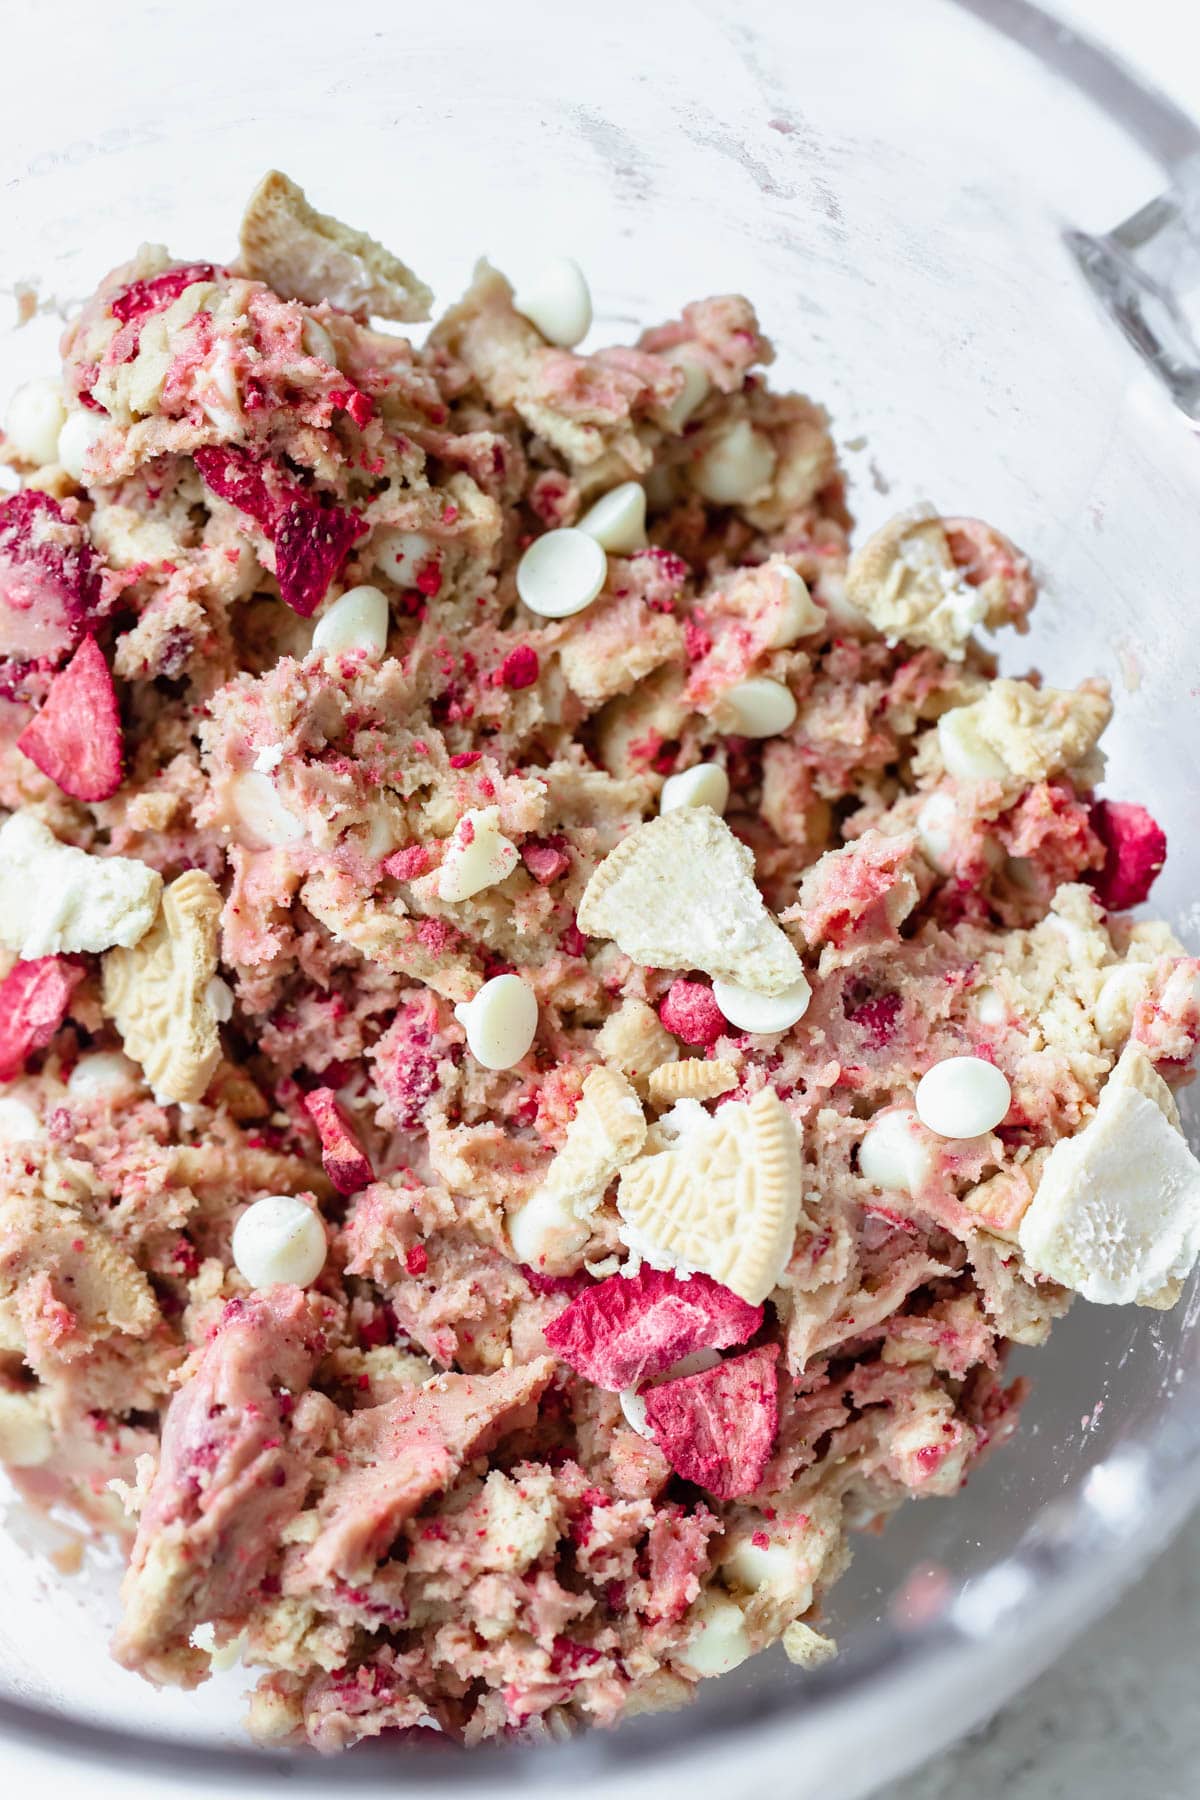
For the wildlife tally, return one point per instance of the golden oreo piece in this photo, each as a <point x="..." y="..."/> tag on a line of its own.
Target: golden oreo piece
<point x="724" y="1199"/>
<point x="156" y="992"/>
<point x="693" y="1078"/>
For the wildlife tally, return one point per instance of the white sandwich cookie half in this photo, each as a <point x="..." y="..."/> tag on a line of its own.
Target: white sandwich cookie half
<point x="35" y="417"/>
<point x="356" y="621"/>
<point x="558" y="301"/>
<point x="706" y="784"/>
<point x="763" y="1013"/>
<point x="500" y="1022"/>
<point x="561" y="573"/>
<point x="277" y="1239"/>
<point x="962" y="1097"/>
<point x="617" y="521"/>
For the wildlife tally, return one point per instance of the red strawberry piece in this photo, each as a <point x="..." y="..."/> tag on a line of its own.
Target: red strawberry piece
<point x="546" y="858"/>
<point x="237" y="475"/>
<point x="690" y="1013"/>
<point x="407" y="864"/>
<point x="49" y="581"/>
<point x="875" y="1018"/>
<point x="312" y="541"/>
<point x="629" y="1327"/>
<point x="76" y="737"/>
<point x="718" y="1428"/>
<point x="346" y="1162"/>
<point x="520" y="668"/>
<point x="156" y="292"/>
<point x="1135" y="849"/>
<point x="34" y="997"/>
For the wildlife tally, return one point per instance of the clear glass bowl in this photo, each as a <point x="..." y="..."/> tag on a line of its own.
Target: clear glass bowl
<point x="906" y="191"/>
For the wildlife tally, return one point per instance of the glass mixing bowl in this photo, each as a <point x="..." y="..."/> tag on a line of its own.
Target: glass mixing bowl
<point x="907" y="191"/>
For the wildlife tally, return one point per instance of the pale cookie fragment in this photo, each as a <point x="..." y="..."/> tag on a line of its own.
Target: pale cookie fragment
<point x="679" y="893"/>
<point x="908" y="585"/>
<point x="307" y="255"/>
<point x="634" y="1040"/>
<point x="608" y="1130"/>
<point x="1023" y="733"/>
<point x="108" y="1292"/>
<point x="723" y="1200"/>
<point x="807" y="1648"/>
<point x="55" y="899"/>
<point x="1116" y="1215"/>
<point x="157" y="993"/>
<point x="692" y="1078"/>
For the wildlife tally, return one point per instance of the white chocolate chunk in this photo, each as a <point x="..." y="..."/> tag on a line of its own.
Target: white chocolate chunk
<point x="756" y="708"/>
<point x="798" y="613"/>
<point x="19" y="1123"/>
<point x="632" y="1399"/>
<point x="478" y="855"/>
<point x="966" y="755"/>
<point x="737" y="466"/>
<point x="893" y="1154"/>
<point x="268" y="822"/>
<point x="748" y="1011"/>
<point x="57" y="899"/>
<point x="278" y="1239"/>
<point x="104" y="1075"/>
<point x="546" y="1233"/>
<point x="400" y="555"/>
<point x="357" y="620"/>
<point x="557" y="300"/>
<point x="1116" y="1214"/>
<point x="694" y="392"/>
<point x="775" y="1565"/>
<point x="561" y="573"/>
<point x="706" y="784"/>
<point x="935" y="827"/>
<point x="617" y="521"/>
<point x="989" y="1007"/>
<point x="718" y="1640"/>
<point x="962" y="1097"/>
<point x="317" y="342"/>
<point x="678" y="893"/>
<point x="36" y="414"/>
<point x="500" y="1022"/>
<point x="80" y="430"/>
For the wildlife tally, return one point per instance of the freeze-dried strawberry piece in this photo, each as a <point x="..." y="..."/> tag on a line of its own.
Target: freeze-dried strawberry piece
<point x="520" y="668"/>
<point x="629" y="1327"/>
<point x="34" y="997"/>
<point x="312" y="541"/>
<point x="691" y="1014"/>
<point x="237" y="475"/>
<point x="546" y="858"/>
<point x="49" y="581"/>
<point x="406" y="1060"/>
<point x="156" y="292"/>
<point x="875" y="1017"/>
<point x="1135" y="849"/>
<point x="76" y="737"/>
<point x="718" y="1428"/>
<point x="346" y="1162"/>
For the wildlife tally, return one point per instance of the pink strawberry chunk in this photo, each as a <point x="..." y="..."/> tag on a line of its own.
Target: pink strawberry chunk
<point x="346" y="1162"/>
<point x="237" y="475"/>
<point x="76" y="737"/>
<point x="1135" y="849"/>
<point x="34" y="997"/>
<point x="691" y="1014"/>
<point x="630" y="1327"/>
<point x="312" y="541"/>
<point x="49" y="582"/>
<point x="718" y="1428"/>
<point x="546" y="858"/>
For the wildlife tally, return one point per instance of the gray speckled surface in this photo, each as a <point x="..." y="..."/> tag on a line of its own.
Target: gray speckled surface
<point x="1117" y="1719"/>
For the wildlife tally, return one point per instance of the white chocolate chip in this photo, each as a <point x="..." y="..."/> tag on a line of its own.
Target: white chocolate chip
<point x="357" y="620"/>
<point x="500" y="1022"/>
<point x="632" y="1399"/>
<point x="317" y="342"/>
<point x="757" y="708"/>
<point x="546" y="1232"/>
<point x="104" y="1075"/>
<point x="617" y="521"/>
<point x="694" y="392"/>
<point x="35" y="417"/>
<point x="799" y="613"/>
<point x="478" y="855"/>
<point x="56" y="899"/>
<point x="561" y="573"/>
<point x="748" y="1011"/>
<point x="400" y="554"/>
<point x="263" y="813"/>
<point x="558" y="302"/>
<point x="893" y="1154"/>
<point x="18" y="1122"/>
<point x="706" y="784"/>
<point x="774" y="1566"/>
<point x="935" y="830"/>
<point x="218" y="996"/>
<point x="966" y="756"/>
<point x="278" y="1239"/>
<point x="718" y="1641"/>
<point x="80" y="431"/>
<point x="989" y="1007"/>
<point x="962" y="1097"/>
<point x="634" y="1408"/>
<point x="737" y="466"/>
